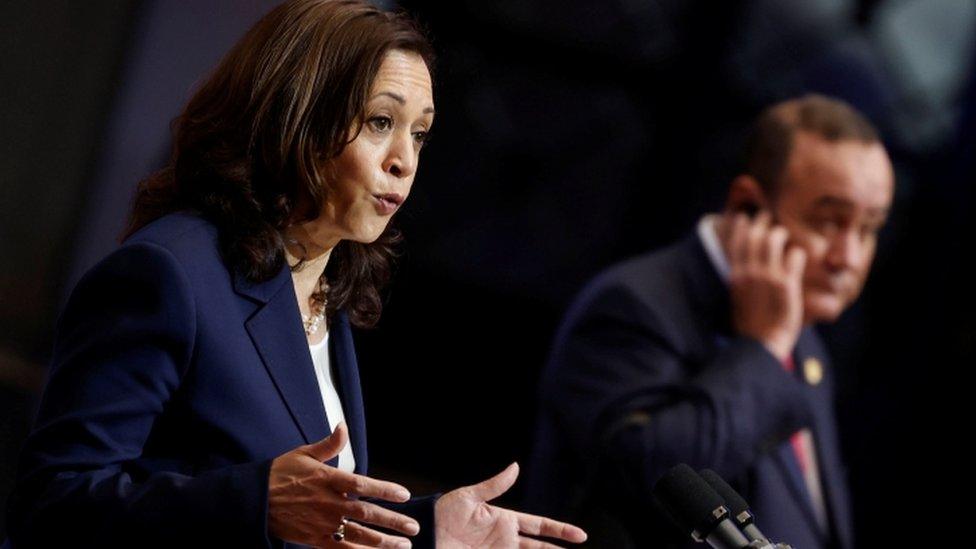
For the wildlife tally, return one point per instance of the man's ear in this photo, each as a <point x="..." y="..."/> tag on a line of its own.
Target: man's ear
<point x="746" y="195"/>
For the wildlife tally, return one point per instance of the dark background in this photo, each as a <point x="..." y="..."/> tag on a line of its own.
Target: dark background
<point x="569" y="135"/>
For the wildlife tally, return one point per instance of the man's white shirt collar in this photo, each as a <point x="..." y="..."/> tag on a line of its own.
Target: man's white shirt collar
<point x="713" y="248"/>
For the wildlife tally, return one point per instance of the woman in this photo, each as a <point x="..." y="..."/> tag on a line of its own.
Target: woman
<point x="204" y="371"/>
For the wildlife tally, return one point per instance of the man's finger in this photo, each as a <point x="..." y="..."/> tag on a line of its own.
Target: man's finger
<point x="757" y="238"/>
<point x="330" y="446"/>
<point x="738" y="239"/>
<point x="359" y="485"/>
<point x="364" y="511"/>
<point x="497" y="485"/>
<point x="775" y="245"/>
<point x="535" y="525"/>
<point x="796" y="261"/>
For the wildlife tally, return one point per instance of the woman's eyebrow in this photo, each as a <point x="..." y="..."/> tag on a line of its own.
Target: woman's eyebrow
<point x="399" y="99"/>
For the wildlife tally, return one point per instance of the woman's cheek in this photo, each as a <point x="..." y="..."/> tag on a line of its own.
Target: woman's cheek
<point x="369" y="224"/>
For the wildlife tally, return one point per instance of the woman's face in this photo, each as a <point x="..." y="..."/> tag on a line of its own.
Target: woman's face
<point x="372" y="176"/>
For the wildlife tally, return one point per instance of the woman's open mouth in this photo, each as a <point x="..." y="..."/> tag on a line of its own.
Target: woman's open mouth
<point x="387" y="203"/>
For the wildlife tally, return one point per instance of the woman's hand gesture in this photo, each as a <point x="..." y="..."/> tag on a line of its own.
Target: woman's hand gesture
<point x="308" y="500"/>
<point x="464" y="519"/>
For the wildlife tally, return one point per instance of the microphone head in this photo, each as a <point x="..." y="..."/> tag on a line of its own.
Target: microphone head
<point x="735" y="502"/>
<point x="692" y="504"/>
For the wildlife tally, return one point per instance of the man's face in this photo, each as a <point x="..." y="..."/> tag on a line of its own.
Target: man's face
<point x="833" y="199"/>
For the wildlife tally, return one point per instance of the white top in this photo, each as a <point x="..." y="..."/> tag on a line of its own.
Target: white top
<point x="330" y="397"/>
<point x="811" y="477"/>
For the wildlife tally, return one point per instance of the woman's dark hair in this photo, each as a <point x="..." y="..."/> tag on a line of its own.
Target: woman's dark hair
<point x="249" y="147"/>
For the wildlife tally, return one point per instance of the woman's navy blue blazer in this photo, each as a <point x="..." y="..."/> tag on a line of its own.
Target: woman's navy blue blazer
<point x="173" y="385"/>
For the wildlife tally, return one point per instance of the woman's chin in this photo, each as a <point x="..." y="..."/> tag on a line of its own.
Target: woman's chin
<point x="367" y="235"/>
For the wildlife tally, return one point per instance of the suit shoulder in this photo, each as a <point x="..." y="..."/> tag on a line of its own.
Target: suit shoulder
<point x="193" y="243"/>
<point x="653" y="277"/>
<point x="652" y="290"/>
<point x="163" y="253"/>
<point x="185" y="234"/>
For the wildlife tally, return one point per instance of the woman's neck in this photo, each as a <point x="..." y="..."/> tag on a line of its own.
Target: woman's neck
<point x="313" y="254"/>
<point x="307" y="277"/>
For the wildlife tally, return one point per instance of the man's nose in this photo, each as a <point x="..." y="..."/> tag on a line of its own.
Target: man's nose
<point x="846" y="250"/>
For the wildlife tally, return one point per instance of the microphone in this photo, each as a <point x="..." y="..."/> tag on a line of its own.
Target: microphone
<point x="697" y="509"/>
<point x="738" y="507"/>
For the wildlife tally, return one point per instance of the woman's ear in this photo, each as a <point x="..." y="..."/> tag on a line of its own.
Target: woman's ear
<point x="746" y="195"/>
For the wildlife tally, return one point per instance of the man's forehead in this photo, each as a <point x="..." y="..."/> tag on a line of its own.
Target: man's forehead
<point x="833" y="174"/>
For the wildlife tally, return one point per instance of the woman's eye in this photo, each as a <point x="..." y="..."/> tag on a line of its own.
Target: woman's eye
<point x="420" y="137"/>
<point x="381" y="123"/>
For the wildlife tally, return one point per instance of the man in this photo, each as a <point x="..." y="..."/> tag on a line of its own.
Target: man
<point x="704" y="353"/>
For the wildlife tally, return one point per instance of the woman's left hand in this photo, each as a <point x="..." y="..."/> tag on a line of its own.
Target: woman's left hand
<point x="464" y="519"/>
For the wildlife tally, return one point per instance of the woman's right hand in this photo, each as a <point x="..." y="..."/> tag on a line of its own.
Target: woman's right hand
<point x="308" y="499"/>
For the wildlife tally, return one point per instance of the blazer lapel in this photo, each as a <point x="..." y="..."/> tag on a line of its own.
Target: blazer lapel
<point x="709" y="299"/>
<point x="785" y="457"/>
<point x="786" y="460"/>
<point x="825" y="440"/>
<point x="276" y="330"/>
<point x="347" y="371"/>
<point x="711" y="303"/>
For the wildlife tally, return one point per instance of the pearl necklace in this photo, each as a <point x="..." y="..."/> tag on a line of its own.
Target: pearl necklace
<point x="312" y="322"/>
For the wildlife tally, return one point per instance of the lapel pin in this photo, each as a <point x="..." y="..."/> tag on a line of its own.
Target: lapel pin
<point x="813" y="371"/>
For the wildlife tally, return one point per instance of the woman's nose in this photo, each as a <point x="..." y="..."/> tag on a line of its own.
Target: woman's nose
<point x="401" y="161"/>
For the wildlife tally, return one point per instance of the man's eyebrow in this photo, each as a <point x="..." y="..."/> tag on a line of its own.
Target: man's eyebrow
<point x="399" y="99"/>
<point x="833" y="201"/>
<point x="837" y="202"/>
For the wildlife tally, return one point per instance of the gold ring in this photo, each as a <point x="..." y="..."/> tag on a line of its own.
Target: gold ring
<point x="340" y="532"/>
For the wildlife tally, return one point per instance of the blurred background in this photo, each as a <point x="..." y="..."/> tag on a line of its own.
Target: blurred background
<point x="569" y="135"/>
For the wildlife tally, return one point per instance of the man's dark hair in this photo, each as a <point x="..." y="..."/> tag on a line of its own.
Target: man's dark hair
<point x="771" y="141"/>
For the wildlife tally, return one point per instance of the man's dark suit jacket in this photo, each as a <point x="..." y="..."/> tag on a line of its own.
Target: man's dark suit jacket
<point x="645" y="374"/>
<point x="173" y="385"/>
